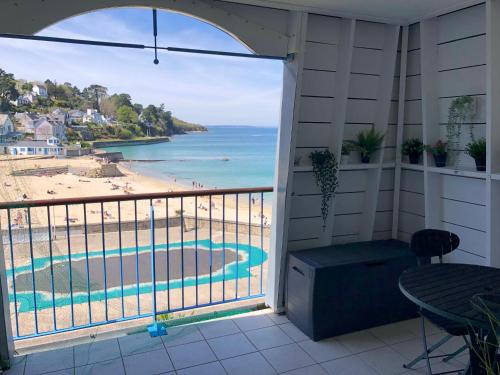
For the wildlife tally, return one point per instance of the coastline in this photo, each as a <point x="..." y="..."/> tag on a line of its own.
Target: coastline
<point x="68" y="185"/>
<point x="129" y="142"/>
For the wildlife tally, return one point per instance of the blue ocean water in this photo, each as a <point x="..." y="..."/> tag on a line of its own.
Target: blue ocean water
<point x="224" y="156"/>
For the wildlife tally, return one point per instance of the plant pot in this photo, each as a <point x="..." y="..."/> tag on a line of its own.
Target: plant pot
<point x="480" y="164"/>
<point x="414" y="157"/>
<point x="365" y="159"/>
<point x="440" y="160"/>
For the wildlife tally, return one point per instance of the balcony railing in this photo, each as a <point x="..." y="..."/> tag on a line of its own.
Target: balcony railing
<point x="84" y="262"/>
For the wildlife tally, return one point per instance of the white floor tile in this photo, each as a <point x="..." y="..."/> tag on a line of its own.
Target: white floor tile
<point x="53" y="360"/>
<point x="287" y="357"/>
<point x="213" y="368"/>
<point x="412" y="348"/>
<point x="248" y="323"/>
<point x="384" y="360"/>
<point x="139" y="343"/>
<point x="17" y="366"/>
<point x="182" y="335"/>
<point x="325" y="350"/>
<point x="218" y="328"/>
<point x="414" y="326"/>
<point x="309" y="370"/>
<point x="293" y="332"/>
<point x="97" y="351"/>
<point x="268" y="337"/>
<point x="393" y="333"/>
<point x="248" y="364"/>
<point x="348" y="366"/>
<point x="114" y="367"/>
<point x="149" y="363"/>
<point x="231" y="346"/>
<point x="193" y="354"/>
<point x="361" y="341"/>
<point x="278" y="318"/>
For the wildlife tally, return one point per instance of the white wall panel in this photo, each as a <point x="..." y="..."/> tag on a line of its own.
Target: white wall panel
<point x="366" y="61"/>
<point x="413" y="63"/>
<point x="464" y="189"/>
<point x="318" y="83"/>
<point x="387" y="179"/>
<point x="412" y="181"/>
<point x="305" y="228"/>
<point x="413" y="88"/>
<point x="361" y="111"/>
<point x="462" y="24"/>
<point x="410" y="223"/>
<point x="363" y="86"/>
<point x="369" y="34"/>
<point x="385" y="200"/>
<point x="471" y="240"/>
<point x="413" y="112"/>
<point x="383" y="221"/>
<point x="462" y="53"/>
<point x="349" y="203"/>
<point x="467" y="81"/>
<point x="306" y="206"/>
<point x="346" y="224"/>
<point x="454" y="212"/>
<point x="411" y="203"/>
<point x="350" y="181"/>
<point x="313" y="135"/>
<point x="304" y="183"/>
<point x="323" y="29"/>
<point x="316" y="110"/>
<point x="320" y="56"/>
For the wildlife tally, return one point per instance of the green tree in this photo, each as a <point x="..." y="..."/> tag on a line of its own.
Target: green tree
<point x="27" y="87"/>
<point x="8" y="90"/>
<point x="94" y="94"/>
<point x="126" y="115"/>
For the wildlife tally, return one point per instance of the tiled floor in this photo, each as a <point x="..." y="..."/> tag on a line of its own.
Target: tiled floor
<point x="260" y="343"/>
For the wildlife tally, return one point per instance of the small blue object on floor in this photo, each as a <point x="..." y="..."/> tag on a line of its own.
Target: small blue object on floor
<point x="157" y="329"/>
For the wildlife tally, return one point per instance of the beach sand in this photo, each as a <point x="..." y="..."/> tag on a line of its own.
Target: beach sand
<point x="67" y="185"/>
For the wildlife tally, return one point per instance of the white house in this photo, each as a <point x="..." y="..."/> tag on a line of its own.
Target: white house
<point x="94" y="116"/>
<point x="23" y="100"/>
<point x="50" y="146"/>
<point x="40" y="90"/>
<point x="6" y="124"/>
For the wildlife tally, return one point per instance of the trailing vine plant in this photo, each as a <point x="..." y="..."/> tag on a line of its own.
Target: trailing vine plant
<point x="325" y="169"/>
<point x="461" y="111"/>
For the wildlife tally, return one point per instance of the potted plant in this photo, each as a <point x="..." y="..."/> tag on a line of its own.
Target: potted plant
<point x="346" y="151"/>
<point x="367" y="143"/>
<point x="325" y="169"/>
<point x="439" y="151"/>
<point x="477" y="151"/>
<point x="413" y="148"/>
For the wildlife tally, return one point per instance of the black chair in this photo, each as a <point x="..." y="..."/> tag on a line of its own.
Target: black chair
<point x="427" y="244"/>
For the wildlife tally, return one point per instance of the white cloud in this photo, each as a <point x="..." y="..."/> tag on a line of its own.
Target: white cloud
<point x="199" y="88"/>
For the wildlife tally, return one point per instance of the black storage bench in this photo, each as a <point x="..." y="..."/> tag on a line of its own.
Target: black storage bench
<point x="344" y="288"/>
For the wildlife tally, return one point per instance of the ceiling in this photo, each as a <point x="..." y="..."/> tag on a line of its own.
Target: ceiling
<point x="400" y="11"/>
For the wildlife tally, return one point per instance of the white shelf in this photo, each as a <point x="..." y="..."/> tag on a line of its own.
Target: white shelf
<point x="347" y="167"/>
<point x="414" y="167"/>
<point x="457" y="172"/>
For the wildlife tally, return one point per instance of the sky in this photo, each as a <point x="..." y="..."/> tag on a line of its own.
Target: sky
<point x="208" y="90"/>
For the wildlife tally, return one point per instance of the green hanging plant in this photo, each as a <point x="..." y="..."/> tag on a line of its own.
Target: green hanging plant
<point x="461" y="111"/>
<point x="325" y="169"/>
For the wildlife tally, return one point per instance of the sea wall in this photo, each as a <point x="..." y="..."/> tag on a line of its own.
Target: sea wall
<point x="130" y="142"/>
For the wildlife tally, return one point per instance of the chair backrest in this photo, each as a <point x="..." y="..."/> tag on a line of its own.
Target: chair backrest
<point x="429" y="243"/>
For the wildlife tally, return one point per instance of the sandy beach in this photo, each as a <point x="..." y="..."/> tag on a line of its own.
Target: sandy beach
<point x="69" y="185"/>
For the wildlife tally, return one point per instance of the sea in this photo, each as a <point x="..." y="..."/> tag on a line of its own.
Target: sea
<point x="222" y="157"/>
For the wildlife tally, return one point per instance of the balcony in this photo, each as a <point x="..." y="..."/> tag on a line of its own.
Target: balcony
<point x="88" y="262"/>
<point x="255" y="343"/>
